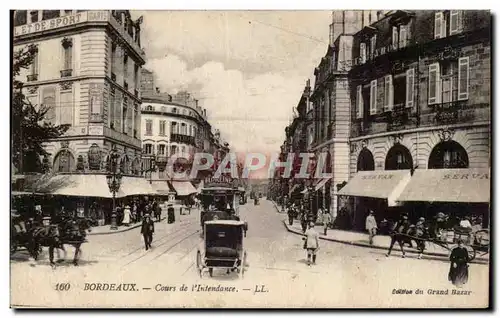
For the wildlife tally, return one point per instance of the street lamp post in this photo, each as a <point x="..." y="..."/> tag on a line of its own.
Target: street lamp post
<point x="114" y="178"/>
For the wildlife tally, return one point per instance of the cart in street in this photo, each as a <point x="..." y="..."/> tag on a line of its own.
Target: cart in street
<point x="223" y="248"/>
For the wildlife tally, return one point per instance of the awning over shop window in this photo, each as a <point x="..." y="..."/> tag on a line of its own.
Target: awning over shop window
<point x="448" y="185"/>
<point x="162" y="188"/>
<point x="76" y="185"/>
<point x="384" y="184"/>
<point x="135" y="186"/>
<point x="183" y="188"/>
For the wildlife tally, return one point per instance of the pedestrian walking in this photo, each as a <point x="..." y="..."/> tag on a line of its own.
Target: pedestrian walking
<point x="290" y="211"/>
<point x="147" y="230"/>
<point x="312" y="244"/>
<point x="326" y="219"/>
<point x="126" y="216"/>
<point x="397" y="234"/>
<point x="459" y="267"/>
<point x="371" y="226"/>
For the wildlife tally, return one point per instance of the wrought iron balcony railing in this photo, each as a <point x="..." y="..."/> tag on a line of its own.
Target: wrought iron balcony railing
<point x="453" y="112"/>
<point x="32" y="77"/>
<point x="67" y="73"/>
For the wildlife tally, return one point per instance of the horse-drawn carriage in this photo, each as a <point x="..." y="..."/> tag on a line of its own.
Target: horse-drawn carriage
<point x="34" y="235"/>
<point x="219" y="202"/>
<point x="473" y="240"/>
<point x="223" y="247"/>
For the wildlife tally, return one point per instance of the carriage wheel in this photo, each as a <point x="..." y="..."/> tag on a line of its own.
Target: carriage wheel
<point x="471" y="251"/>
<point x="199" y="266"/>
<point x="482" y="237"/>
<point x="13" y="247"/>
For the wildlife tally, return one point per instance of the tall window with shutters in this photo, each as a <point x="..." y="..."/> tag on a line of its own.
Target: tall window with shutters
<point x="434" y="84"/>
<point x="410" y="87"/>
<point x="456" y="24"/>
<point x="359" y="101"/>
<point x="66" y="107"/>
<point x="162" y="127"/>
<point x="388" y="93"/>
<point x="113" y="61"/>
<point x="373" y="97"/>
<point x="439" y="25"/>
<point x="149" y="127"/>
<point x="403" y="36"/>
<point x="161" y="150"/>
<point x="67" y="54"/>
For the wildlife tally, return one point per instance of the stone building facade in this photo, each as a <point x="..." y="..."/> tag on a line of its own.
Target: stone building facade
<point x="331" y="103"/>
<point x="420" y="94"/>
<point x="87" y="71"/>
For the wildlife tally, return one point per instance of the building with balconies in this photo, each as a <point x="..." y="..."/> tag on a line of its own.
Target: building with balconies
<point x="87" y="70"/>
<point x="420" y="99"/>
<point x="171" y="124"/>
<point x="330" y="100"/>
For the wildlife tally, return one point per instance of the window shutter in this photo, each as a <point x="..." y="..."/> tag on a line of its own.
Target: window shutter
<point x="434" y="84"/>
<point x="362" y="52"/>
<point x="410" y="86"/>
<point x="373" y="44"/>
<point x="373" y="97"/>
<point x="463" y="78"/>
<point x="438" y="24"/>
<point x="403" y="36"/>
<point x="394" y="37"/>
<point x="388" y="93"/>
<point x="455" y="21"/>
<point x="359" y="101"/>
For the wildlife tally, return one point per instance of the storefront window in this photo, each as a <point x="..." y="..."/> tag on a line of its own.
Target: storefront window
<point x="448" y="155"/>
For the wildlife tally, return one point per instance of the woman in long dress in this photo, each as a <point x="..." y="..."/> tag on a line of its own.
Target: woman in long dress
<point x="126" y="216"/>
<point x="459" y="268"/>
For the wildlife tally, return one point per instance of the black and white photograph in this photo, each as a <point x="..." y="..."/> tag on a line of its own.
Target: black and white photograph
<point x="250" y="159"/>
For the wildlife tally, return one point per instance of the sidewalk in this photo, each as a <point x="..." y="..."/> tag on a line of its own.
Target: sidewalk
<point x="379" y="242"/>
<point x="105" y="229"/>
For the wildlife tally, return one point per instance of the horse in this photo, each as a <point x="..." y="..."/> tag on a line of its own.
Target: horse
<point x="69" y="231"/>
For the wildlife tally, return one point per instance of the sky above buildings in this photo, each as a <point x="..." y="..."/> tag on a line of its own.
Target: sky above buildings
<point x="247" y="68"/>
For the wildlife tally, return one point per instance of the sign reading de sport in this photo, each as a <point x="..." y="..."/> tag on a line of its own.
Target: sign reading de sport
<point x="61" y="22"/>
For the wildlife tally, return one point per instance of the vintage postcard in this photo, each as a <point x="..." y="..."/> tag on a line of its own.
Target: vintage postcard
<point x="250" y="159"/>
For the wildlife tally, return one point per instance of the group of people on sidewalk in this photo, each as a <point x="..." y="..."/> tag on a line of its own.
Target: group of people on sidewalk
<point x="399" y="232"/>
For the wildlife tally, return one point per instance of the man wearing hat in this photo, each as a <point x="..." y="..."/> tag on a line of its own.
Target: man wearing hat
<point x="397" y="234"/>
<point x="371" y="226"/>
<point x="147" y="230"/>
